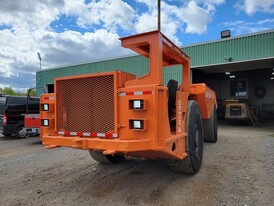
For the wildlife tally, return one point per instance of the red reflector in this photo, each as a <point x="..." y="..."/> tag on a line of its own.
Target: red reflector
<point x="93" y="134"/>
<point x="147" y="92"/>
<point x="129" y="93"/>
<point x="86" y="134"/>
<point x="46" y="98"/>
<point x="109" y="135"/>
<point x="80" y="134"/>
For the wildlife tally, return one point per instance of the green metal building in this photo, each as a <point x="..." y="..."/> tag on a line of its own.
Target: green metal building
<point x="234" y="67"/>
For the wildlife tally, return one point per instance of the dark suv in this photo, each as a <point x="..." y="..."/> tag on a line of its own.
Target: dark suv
<point x="12" y="112"/>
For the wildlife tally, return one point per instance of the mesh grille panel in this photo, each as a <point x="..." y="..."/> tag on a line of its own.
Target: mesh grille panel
<point x="86" y="104"/>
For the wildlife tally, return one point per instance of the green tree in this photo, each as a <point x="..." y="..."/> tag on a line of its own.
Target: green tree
<point x="8" y="91"/>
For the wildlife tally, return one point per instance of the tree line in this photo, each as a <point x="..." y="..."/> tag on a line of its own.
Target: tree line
<point x="11" y="91"/>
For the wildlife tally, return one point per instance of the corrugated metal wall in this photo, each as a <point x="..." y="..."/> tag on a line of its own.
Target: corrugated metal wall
<point x="137" y="65"/>
<point x="244" y="48"/>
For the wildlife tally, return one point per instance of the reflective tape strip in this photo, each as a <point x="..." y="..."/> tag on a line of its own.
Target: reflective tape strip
<point x="137" y="93"/>
<point x="49" y="98"/>
<point x="87" y="134"/>
<point x="108" y="135"/>
<point x="80" y="134"/>
<point x="121" y="94"/>
<point x="147" y="92"/>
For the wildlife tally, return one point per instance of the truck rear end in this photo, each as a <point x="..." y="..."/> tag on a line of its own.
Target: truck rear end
<point x="98" y="112"/>
<point x="114" y="114"/>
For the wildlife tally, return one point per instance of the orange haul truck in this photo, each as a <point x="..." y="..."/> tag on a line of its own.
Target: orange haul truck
<point x="115" y="115"/>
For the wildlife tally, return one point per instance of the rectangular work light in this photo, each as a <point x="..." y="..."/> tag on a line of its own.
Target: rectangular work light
<point x="136" y="124"/>
<point x="137" y="104"/>
<point x="46" y="122"/>
<point x="46" y="107"/>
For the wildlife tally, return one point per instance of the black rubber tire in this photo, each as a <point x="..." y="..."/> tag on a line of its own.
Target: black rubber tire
<point x="19" y="134"/>
<point x="195" y="141"/>
<point x="106" y="159"/>
<point x="211" y="126"/>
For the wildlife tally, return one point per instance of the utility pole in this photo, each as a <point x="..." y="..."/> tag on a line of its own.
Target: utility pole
<point x="40" y="59"/>
<point x="159" y="15"/>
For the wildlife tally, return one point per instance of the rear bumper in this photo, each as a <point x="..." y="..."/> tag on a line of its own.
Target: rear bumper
<point x="140" y="148"/>
<point x="32" y="131"/>
<point x="98" y="143"/>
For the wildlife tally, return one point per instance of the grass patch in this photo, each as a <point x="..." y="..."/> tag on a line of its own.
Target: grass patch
<point x="271" y="135"/>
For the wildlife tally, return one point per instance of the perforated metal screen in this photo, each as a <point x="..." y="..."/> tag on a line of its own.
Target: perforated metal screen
<point x="86" y="104"/>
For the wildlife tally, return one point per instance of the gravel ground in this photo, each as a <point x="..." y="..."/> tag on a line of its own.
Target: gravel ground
<point x="237" y="170"/>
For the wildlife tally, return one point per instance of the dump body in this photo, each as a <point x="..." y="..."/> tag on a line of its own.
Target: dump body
<point x="117" y="113"/>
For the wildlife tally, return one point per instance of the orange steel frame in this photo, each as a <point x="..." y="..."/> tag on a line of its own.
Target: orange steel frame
<point x="156" y="140"/>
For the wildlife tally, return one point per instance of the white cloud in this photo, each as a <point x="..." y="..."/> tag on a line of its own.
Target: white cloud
<point x="26" y="30"/>
<point x="30" y="14"/>
<point x="196" y="18"/>
<point x="110" y="13"/>
<point x="266" y="21"/>
<point x="251" y="7"/>
<point x="4" y="85"/>
<point x="190" y="17"/>
<point x="242" y="27"/>
<point x="18" y="58"/>
<point x="150" y="3"/>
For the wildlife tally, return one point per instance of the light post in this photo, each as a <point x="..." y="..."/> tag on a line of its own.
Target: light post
<point x="39" y="57"/>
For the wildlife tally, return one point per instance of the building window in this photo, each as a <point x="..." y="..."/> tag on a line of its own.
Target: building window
<point x="49" y="88"/>
<point x="238" y="88"/>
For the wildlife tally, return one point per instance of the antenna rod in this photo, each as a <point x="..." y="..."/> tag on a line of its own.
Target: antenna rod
<point x="159" y="15"/>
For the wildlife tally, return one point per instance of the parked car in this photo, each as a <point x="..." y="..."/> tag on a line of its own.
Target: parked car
<point x="13" y="111"/>
<point x="2" y="104"/>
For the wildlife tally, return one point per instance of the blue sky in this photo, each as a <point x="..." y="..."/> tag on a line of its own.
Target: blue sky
<point x="74" y="31"/>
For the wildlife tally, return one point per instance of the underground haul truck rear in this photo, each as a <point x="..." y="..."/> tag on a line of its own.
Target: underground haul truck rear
<point x="115" y="115"/>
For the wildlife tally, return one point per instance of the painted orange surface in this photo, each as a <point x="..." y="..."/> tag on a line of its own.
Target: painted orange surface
<point x="94" y="111"/>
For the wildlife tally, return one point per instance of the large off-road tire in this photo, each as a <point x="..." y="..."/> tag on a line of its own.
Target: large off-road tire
<point x="20" y="133"/>
<point x="195" y="140"/>
<point x="211" y="126"/>
<point x="106" y="159"/>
